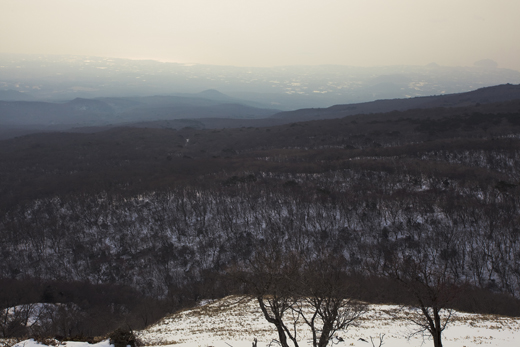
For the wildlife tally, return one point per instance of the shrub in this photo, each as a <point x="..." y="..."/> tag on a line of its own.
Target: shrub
<point x="123" y="337"/>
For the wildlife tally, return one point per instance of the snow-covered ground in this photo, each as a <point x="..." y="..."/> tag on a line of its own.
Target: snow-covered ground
<point x="236" y="321"/>
<point x="33" y="343"/>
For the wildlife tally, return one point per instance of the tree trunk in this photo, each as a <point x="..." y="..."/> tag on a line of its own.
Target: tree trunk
<point x="437" y="338"/>
<point x="325" y="335"/>
<point x="277" y="323"/>
<point x="437" y="342"/>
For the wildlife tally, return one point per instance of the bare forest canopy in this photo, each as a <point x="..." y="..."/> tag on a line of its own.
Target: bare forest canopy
<point x="167" y="213"/>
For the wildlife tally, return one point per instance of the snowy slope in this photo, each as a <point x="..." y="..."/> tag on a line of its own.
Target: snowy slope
<point x="33" y="343"/>
<point x="235" y="321"/>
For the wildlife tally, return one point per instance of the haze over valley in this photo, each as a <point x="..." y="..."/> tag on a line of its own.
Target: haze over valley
<point x="62" y="78"/>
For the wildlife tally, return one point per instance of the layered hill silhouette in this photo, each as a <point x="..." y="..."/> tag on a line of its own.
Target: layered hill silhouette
<point x="481" y="96"/>
<point x="210" y="110"/>
<point x="18" y="117"/>
<point x="150" y="156"/>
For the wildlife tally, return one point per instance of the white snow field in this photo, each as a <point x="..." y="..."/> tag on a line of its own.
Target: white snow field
<point x="235" y="321"/>
<point x="33" y="343"/>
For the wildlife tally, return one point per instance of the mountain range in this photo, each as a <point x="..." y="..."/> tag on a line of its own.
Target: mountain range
<point x="207" y="110"/>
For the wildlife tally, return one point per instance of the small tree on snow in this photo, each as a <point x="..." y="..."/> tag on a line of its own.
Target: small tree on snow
<point x="290" y="289"/>
<point x="433" y="288"/>
<point x="325" y="290"/>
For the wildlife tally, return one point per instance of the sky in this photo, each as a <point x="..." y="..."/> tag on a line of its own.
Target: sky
<point x="268" y="32"/>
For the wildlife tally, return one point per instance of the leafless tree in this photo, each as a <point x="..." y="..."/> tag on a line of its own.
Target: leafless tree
<point x="269" y="276"/>
<point x="325" y="291"/>
<point x="292" y="289"/>
<point x="433" y="290"/>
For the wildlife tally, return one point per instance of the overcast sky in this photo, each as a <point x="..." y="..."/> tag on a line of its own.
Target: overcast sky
<point x="268" y="32"/>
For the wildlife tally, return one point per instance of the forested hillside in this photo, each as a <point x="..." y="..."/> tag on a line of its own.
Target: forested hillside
<point x="167" y="213"/>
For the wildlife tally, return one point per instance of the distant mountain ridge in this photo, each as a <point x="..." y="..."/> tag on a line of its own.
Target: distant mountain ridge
<point x="500" y="93"/>
<point x="215" y="95"/>
<point x="28" y="116"/>
<point x="194" y="110"/>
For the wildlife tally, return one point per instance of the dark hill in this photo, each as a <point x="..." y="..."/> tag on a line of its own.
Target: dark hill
<point x="213" y="94"/>
<point x="21" y="117"/>
<point x="148" y="157"/>
<point x="499" y="93"/>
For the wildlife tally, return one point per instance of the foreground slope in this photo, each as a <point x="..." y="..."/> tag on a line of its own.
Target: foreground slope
<point x="236" y="321"/>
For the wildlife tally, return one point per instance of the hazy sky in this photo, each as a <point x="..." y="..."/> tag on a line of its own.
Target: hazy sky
<point x="268" y="32"/>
